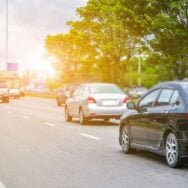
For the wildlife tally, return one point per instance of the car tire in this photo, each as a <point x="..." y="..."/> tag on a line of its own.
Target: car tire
<point x="82" y="117"/>
<point x="67" y="116"/>
<point x="58" y="102"/>
<point x="125" y="140"/>
<point x="172" y="151"/>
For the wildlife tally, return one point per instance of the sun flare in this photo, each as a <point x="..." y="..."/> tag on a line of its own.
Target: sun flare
<point x="38" y="62"/>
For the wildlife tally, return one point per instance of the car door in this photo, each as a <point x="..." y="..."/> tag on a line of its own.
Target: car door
<point x="72" y="102"/>
<point x="77" y="100"/>
<point x="159" y="115"/>
<point x="139" y="123"/>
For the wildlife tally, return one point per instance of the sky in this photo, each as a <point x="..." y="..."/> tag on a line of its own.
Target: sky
<point x="29" y="23"/>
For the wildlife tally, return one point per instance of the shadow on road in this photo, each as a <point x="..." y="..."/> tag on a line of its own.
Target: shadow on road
<point x="97" y="123"/>
<point x="145" y="155"/>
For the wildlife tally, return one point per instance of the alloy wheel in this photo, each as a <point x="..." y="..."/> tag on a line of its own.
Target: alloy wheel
<point x="67" y="116"/>
<point x="82" y="118"/>
<point x="125" y="139"/>
<point x="171" y="150"/>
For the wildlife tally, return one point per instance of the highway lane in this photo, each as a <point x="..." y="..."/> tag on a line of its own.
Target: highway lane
<point x="38" y="149"/>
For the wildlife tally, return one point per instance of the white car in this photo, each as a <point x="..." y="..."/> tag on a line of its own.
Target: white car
<point x="4" y="92"/>
<point x="15" y="93"/>
<point x="96" y="101"/>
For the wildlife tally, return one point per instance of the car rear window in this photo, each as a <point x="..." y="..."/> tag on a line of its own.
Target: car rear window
<point x="102" y="89"/>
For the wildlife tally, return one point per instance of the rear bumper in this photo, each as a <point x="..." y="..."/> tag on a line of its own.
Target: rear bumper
<point x="94" y="111"/>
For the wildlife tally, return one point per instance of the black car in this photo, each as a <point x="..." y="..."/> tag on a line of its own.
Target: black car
<point x="158" y="123"/>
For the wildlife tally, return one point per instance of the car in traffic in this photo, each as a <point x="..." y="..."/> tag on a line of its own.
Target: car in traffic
<point x="158" y="123"/>
<point x="137" y="92"/>
<point x="96" y="101"/>
<point x="15" y="93"/>
<point x="63" y="93"/>
<point x="4" y="92"/>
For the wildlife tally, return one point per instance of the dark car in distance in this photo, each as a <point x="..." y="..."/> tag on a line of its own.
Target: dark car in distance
<point x="63" y="93"/>
<point x="137" y="92"/>
<point x="158" y="123"/>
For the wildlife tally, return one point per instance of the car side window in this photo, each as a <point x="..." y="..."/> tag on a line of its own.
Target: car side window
<point x="149" y="99"/>
<point x="174" y="97"/>
<point x="164" y="97"/>
<point x="80" y="92"/>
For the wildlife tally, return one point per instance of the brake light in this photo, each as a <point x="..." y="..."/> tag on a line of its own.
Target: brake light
<point x="126" y="99"/>
<point x="186" y="115"/>
<point x="91" y="100"/>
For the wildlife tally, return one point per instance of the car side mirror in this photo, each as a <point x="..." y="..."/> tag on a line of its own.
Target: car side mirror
<point x="177" y="103"/>
<point x="131" y="105"/>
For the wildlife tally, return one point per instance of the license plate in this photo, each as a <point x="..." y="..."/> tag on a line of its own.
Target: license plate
<point x="109" y="103"/>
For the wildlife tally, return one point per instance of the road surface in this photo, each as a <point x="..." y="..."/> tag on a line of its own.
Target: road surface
<point x="38" y="149"/>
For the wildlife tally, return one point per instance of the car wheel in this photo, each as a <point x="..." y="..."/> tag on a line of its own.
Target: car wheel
<point x="58" y="102"/>
<point x="82" y="118"/>
<point x="125" y="140"/>
<point x="172" y="151"/>
<point x="67" y="116"/>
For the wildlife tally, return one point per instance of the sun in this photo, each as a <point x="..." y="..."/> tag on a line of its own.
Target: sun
<point x="38" y="62"/>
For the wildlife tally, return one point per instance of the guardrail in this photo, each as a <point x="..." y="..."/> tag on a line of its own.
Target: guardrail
<point x="51" y="95"/>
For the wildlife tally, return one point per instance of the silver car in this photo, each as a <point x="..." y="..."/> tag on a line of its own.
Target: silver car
<point x="96" y="101"/>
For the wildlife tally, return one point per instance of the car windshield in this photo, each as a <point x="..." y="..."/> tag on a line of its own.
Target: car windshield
<point x="102" y="89"/>
<point x="3" y="85"/>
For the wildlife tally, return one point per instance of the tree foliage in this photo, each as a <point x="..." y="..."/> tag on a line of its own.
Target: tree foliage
<point x="110" y="35"/>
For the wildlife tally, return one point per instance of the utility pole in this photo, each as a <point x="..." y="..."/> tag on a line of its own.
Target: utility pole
<point x="6" y="47"/>
<point x="139" y="70"/>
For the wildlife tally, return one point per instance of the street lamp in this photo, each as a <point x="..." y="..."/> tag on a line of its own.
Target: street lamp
<point x="139" y="70"/>
<point x="6" y="48"/>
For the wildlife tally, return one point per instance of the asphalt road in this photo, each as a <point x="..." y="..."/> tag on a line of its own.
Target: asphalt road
<point x="38" y="149"/>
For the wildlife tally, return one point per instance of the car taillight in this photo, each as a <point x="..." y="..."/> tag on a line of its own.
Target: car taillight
<point x="186" y="115"/>
<point x="91" y="100"/>
<point x="126" y="100"/>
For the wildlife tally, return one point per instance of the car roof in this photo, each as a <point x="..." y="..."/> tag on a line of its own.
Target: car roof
<point x="175" y="84"/>
<point x="179" y="85"/>
<point x="97" y="83"/>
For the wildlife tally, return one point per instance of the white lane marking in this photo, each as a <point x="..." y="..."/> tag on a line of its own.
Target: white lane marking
<point x="1" y="185"/>
<point x="26" y="117"/>
<point x="50" y="124"/>
<point x="90" y="136"/>
<point x="9" y="112"/>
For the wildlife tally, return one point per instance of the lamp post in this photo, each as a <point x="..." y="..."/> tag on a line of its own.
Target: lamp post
<point x="139" y="70"/>
<point x="6" y="47"/>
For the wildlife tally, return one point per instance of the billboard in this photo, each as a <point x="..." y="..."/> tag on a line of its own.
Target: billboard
<point x="12" y="67"/>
